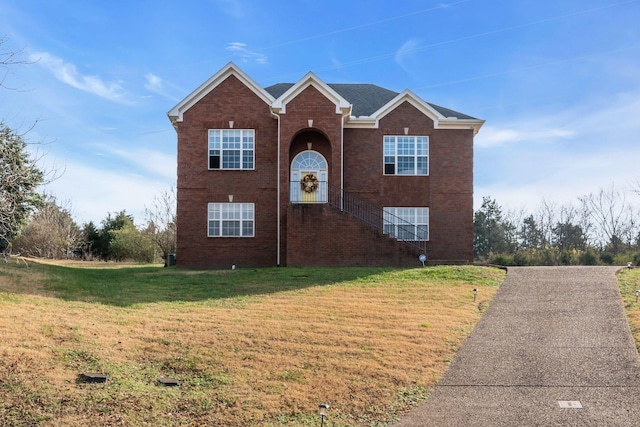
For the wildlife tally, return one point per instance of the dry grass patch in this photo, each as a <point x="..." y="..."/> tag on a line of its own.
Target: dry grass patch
<point x="628" y="282"/>
<point x="250" y="347"/>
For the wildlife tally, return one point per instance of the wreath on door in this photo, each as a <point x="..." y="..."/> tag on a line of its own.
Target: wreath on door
<point x="309" y="183"/>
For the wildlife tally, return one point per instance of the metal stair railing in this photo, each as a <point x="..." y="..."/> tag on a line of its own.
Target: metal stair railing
<point x="368" y="213"/>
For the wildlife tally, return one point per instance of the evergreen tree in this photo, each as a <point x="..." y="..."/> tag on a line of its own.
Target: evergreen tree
<point x="489" y="230"/>
<point x="19" y="179"/>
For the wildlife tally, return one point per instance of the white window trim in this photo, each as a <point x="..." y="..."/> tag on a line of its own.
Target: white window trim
<point x="395" y="155"/>
<point x="242" y="149"/>
<point x="248" y="208"/>
<point x="400" y="212"/>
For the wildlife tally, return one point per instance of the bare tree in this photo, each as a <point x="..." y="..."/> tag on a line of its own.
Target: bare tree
<point x="161" y="219"/>
<point x="611" y="214"/>
<point x="50" y="233"/>
<point x="546" y="218"/>
<point x="8" y="59"/>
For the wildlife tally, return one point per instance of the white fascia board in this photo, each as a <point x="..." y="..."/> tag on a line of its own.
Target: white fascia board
<point x="448" y="123"/>
<point x="454" y="123"/>
<point x="176" y="113"/>
<point x="361" y="122"/>
<point x="413" y="99"/>
<point x="439" y="120"/>
<point x="310" y="79"/>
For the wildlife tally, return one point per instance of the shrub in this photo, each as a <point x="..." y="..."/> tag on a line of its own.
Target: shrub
<point x="624" y="258"/>
<point x="607" y="258"/>
<point x="502" y="259"/>
<point x="589" y="256"/>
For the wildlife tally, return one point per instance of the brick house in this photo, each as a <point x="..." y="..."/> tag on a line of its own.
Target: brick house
<point x="317" y="174"/>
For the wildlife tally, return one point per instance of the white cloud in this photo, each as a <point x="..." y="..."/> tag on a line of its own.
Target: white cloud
<point x="405" y="50"/>
<point x="404" y="56"/>
<point x="68" y="74"/>
<point x="94" y="192"/>
<point x="154" y="83"/>
<point x="157" y="85"/>
<point x="493" y="137"/>
<point x="240" y="49"/>
<point x="590" y="148"/>
<point x="152" y="161"/>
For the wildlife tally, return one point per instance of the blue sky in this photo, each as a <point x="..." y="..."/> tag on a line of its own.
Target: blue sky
<point x="558" y="82"/>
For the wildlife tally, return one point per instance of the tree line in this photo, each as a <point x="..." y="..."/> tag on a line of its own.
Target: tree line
<point x="36" y="224"/>
<point x="599" y="228"/>
<point x="50" y="231"/>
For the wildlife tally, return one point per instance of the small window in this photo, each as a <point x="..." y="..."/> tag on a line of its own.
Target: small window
<point x="406" y="155"/>
<point x="231" y="148"/>
<point x="409" y="224"/>
<point x="231" y="220"/>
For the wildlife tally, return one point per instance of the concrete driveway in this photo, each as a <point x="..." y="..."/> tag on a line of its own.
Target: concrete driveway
<point x="553" y="349"/>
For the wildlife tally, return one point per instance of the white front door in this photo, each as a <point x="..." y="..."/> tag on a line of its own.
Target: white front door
<point x="308" y="178"/>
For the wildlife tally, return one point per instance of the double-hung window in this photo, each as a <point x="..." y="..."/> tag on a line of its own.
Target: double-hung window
<point x="410" y="224"/>
<point x="231" y="219"/>
<point x="231" y="148"/>
<point x="406" y="155"/>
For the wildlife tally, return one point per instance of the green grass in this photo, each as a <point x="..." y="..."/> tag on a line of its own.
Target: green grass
<point x="129" y="286"/>
<point x="628" y="282"/>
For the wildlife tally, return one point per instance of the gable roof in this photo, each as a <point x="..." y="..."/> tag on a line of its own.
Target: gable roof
<point x="363" y="104"/>
<point x="366" y="98"/>
<point x="176" y="113"/>
<point x="343" y="106"/>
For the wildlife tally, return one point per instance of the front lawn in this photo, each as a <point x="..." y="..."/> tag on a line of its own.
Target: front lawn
<point x="250" y="347"/>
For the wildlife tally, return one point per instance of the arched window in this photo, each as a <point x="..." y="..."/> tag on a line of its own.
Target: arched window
<point x="309" y="160"/>
<point x="309" y="178"/>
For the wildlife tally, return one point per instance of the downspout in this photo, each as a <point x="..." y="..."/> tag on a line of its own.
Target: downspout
<point x="341" y="162"/>
<point x="344" y="119"/>
<point x="277" y="117"/>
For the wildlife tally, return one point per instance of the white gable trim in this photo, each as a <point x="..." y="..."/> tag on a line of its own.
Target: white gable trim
<point x="177" y="112"/>
<point x="413" y="99"/>
<point x="279" y="106"/>
<point x="439" y="120"/>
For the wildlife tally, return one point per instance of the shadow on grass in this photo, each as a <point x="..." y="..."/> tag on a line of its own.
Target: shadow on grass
<point x="139" y="285"/>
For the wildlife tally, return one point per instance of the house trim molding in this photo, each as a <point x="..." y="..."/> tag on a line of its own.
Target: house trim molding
<point x="279" y="106"/>
<point x="231" y="69"/>
<point x="439" y="121"/>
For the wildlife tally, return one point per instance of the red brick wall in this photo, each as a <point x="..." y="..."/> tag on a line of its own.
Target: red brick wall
<point x="451" y="221"/>
<point x="197" y="185"/>
<point x="317" y="234"/>
<point x="320" y="235"/>
<point x="310" y="104"/>
<point x="447" y="191"/>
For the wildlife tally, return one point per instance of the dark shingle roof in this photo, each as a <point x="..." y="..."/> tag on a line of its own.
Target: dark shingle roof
<point x="365" y="98"/>
<point x="278" y="89"/>
<point x="447" y="112"/>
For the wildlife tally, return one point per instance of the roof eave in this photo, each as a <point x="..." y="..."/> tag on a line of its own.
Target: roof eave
<point x="343" y="107"/>
<point x="177" y="112"/>
<point x="455" y="123"/>
<point x="361" y="122"/>
<point x="413" y="99"/>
